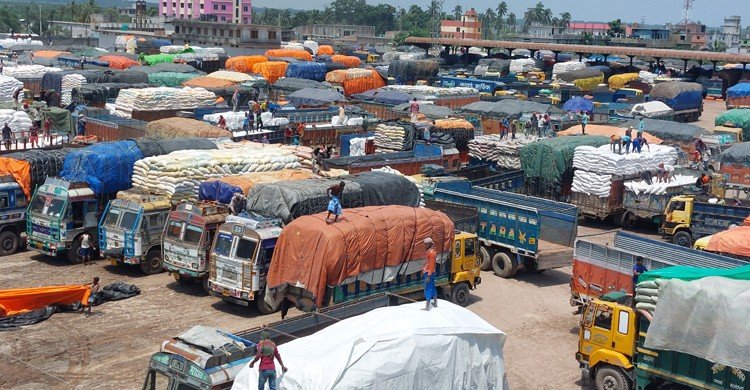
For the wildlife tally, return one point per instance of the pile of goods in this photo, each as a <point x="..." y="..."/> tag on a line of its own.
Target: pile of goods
<point x="597" y="168"/>
<point x="647" y="294"/>
<point x="355" y="80"/>
<point x="505" y="152"/>
<point x="461" y="130"/>
<point x="425" y="91"/>
<point x="307" y="70"/>
<point x="28" y="71"/>
<point x="223" y="189"/>
<point x="234" y="77"/>
<point x="408" y="71"/>
<point x="299" y="54"/>
<point x="656" y="188"/>
<point x="271" y="70"/>
<point x="70" y="82"/>
<point x="18" y="121"/>
<point x="184" y="127"/>
<point x="585" y="79"/>
<point x="170" y="79"/>
<point x="162" y="98"/>
<point x="8" y="85"/>
<point x="523" y="65"/>
<point x="244" y="64"/>
<point x="235" y="120"/>
<point x="393" y="137"/>
<point x="419" y="185"/>
<point x="678" y="95"/>
<point x="563" y="67"/>
<point x="179" y="174"/>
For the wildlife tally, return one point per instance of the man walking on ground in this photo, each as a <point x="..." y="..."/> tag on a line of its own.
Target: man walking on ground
<point x="85" y="251"/>
<point x="334" y="204"/>
<point x="414" y="110"/>
<point x="638" y="269"/>
<point x="584" y="122"/>
<point x="266" y="352"/>
<point x="6" y="136"/>
<point x="428" y="271"/>
<point x="92" y="295"/>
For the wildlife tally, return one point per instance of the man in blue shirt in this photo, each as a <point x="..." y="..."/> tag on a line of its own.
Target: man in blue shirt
<point x="638" y="269"/>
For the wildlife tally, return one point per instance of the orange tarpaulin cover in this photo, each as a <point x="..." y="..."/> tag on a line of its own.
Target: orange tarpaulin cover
<point x="208" y="82"/>
<point x="607" y="131"/>
<point x="314" y="254"/>
<point x="271" y="70"/>
<point x="359" y="85"/>
<point x="21" y="172"/>
<point x="326" y="50"/>
<point x="119" y="62"/>
<point x="348" y="61"/>
<point x="49" y="53"/>
<point x="735" y="241"/>
<point x="21" y="300"/>
<point x="247" y="181"/>
<point x="244" y="64"/>
<point x="288" y="53"/>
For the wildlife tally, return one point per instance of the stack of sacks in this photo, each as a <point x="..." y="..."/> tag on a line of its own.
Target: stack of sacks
<point x="8" y="85"/>
<point x="171" y="49"/>
<point x="647" y="294"/>
<point x="70" y="82"/>
<point x="506" y="153"/>
<point x="522" y="65"/>
<point x="312" y="45"/>
<point x="334" y="173"/>
<point x="162" y="98"/>
<point x="18" y="121"/>
<point x="389" y="138"/>
<point x="176" y="127"/>
<point x="8" y="43"/>
<point x="564" y="67"/>
<point x="656" y="188"/>
<point x="647" y="77"/>
<point x="596" y="167"/>
<point x="419" y="185"/>
<point x="28" y="71"/>
<point x="234" y="77"/>
<point x="179" y="174"/>
<point x="303" y="153"/>
<point x="235" y="120"/>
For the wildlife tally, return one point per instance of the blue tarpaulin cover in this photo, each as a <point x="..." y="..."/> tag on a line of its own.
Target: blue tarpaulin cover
<point x="578" y="103"/>
<point x="107" y="167"/>
<point x="218" y="191"/>
<point x="392" y="97"/>
<point x="315" y="97"/>
<point x="739" y="90"/>
<point x="307" y="70"/>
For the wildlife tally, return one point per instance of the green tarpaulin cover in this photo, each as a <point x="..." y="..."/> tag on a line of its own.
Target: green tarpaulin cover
<point x="549" y="158"/>
<point x="738" y="117"/>
<point x="158" y="59"/>
<point x="61" y="119"/>
<point x="170" y="79"/>
<point x="694" y="273"/>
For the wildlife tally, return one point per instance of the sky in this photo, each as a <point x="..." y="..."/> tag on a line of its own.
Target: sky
<point x="709" y="12"/>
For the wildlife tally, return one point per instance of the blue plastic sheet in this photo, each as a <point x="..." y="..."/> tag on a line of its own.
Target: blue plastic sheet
<point x="217" y="191"/>
<point x="685" y="101"/>
<point x="739" y="90"/>
<point x="107" y="167"/>
<point x="307" y="70"/>
<point x="578" y="103"/>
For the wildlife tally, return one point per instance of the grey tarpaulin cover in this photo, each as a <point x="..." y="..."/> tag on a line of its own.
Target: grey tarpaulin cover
<point x="508" y="107"/>
<point x="291" y="199"/>
<point x="586" y="73"/>
<point x="407" y="70"/>
<point x="669" y="130"/>
<point x="315" y="97"/>
<point x="295" y="84"/>
<point x="157" y="147"/>
<point x="345" y="162"/>
<point x="42" y="163"/>
<point x="670" y="90"/>
<point x="429" y="110"/>
<point x="99" y="93"/>
<point x="737" y="154"/>
<point x="707" y="318"/>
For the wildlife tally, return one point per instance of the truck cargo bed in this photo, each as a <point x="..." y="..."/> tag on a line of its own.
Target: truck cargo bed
<point x="551" y="255"/>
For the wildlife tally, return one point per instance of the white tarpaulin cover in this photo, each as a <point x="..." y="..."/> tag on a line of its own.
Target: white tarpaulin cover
<point x="394" y="348"/>
<point x="707" y="318"/>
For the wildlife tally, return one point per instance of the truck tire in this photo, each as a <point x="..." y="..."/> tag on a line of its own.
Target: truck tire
<point x="503" y="266"/>
<point x="460" y="294"/>
<point x="611" y="378"/>
<point x="683" y="238"/>
<point x="152" y="264"/>
<point x="485" y="259"/>
<point x="204" y="284"/>
<point x="263" y="307"/>
<point x="72" y="255"/>
<point x="9" y="243"/>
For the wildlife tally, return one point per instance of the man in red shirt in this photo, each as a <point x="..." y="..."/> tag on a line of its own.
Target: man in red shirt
<point x="429" y="273"/>
<point x="266" y="352"/>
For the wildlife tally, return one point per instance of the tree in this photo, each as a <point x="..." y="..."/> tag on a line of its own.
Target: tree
<point x="457" y="12"/>
<point x="502" y="10"/>
<point x="587" y="38"/>
<point x="616" y="28"/>
<point x="512" y="21"/>
<point x="539" y="14"/>
<point x="717" y="46"/>
<point x="564" y="21"/>
<point x="488" y="19"/>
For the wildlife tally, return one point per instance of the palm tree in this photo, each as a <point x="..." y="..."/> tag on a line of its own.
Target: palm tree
<point x="538" y="14"/>
<point x="457" y="12"/>
<point x="512" y="21"/>
<point x="565" y="20"/>
<point x="502" y="10"/>
<point x="488" y="19"/>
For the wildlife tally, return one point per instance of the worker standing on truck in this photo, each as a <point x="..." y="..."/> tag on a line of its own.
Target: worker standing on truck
<point x="638" y="143"/>
<point x="664" y="173"/>
<point x="429" y="273"/>
<point x="266" y="352"/>
<point x="6" y="136"/>
<point x="614" y="140"/>
<point x="584" y="121"/>
<point x="334" y="204"/>
<point x="414" y="110"/>
<point x="638" y="269"/>
<point x="703" y="183"/>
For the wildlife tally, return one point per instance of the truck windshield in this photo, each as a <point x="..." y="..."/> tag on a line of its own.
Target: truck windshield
<point x="193" y="234"/>
<point x="111" y="219"/>
<point x="128" y="220"/>
<point x="174" y="229"/>
<point x="223" y="244"/>
<point x="47" y="205"/>
<point x="245" y="249"/>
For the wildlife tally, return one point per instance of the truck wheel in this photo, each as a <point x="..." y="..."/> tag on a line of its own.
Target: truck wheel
<point x="9" y="243"/>
<point x="683" y="238"/>
<point x="72" y="255"/>
<point x="486" y="259"/>
<point x="204" y="283"/>
<point x="152" y="263"/>
<point x="503" y="266"/>
<point x="263" y="307"/>
<point x="610" y="378"/>
<point x="460" y="294"/>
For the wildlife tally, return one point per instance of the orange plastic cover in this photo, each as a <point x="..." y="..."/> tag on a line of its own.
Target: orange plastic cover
<point x="607" y="131"/>
<point x="359" y="85"/>
<point x="326" y="50"/>
<point x="298" y="54"/>
<point x="348" y="61"/>
<point x="735" y="241"/>
<point x="453" y="123"/>
<point x="21" y="172"/>
<point x="244" y="64"/>
<point x="247" y="181"/>
<point x="271" y="70"/>
<point x="21" y="300"/>
<point x="49" y="53"/>
<point x="314" y="254"/>
<point x="119" y="62"/>
<point x="208" y="82"/>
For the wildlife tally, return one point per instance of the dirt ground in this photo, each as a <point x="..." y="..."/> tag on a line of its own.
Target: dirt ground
<point x="111" y="348"/>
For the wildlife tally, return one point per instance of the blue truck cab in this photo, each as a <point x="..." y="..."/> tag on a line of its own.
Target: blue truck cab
<point x="13" y="205"/>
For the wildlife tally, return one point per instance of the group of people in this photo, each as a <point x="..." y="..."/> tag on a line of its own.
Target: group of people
<point x="627" y="140"/>
<point x="541" y="124"/>
<point x="8" y="136"/>
<point x="292" y="135"/>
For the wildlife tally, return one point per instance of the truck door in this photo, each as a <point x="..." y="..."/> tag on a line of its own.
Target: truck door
<point x="678" y="213"/>
<point x="624" y="333"/>
<point x="596" y="329"/>
<point x="470" y="259"/>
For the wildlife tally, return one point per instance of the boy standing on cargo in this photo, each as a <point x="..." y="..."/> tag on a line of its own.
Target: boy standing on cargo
<point x="334" y="205"/>
<point x="266" y="352"/>
<point x="414" y="110"/>
<point x="6" y="136"/>
<point x="429" y="273"/>
<point x="584" y="122"/>
<point x="638" y="269"/>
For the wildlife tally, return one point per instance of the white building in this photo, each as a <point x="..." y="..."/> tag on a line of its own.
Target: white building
<point x="731" y="31"/>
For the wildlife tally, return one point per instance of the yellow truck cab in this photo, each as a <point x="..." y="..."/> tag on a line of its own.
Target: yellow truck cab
<point x="464" y="267"/>
<point x="689" y="217"/>
<point x="702" y="243"/>
<point x="729" y="134"/>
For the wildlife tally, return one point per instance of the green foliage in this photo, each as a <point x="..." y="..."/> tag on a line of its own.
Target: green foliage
<point x="417" y="32"/>
<point x="616" y="28"/>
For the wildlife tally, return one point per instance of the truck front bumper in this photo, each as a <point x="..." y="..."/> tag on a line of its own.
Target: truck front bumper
<point x="46" y="247"/>
<point x="185" y="273"/>
<point x="231" y="294"/>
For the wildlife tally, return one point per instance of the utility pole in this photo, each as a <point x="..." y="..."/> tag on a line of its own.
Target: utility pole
<point x="40" y="20"/>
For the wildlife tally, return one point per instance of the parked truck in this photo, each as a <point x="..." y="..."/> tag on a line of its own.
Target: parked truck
<point x="244" y="246"/>
<point x="732" y="242"/>
<point x="317" y="264"/>
<point x="688" y="217"/>
<point x="20" y="174"/>
<point x="685" y="98"/>
<point x="613" y="348"/>
<point x="517" y="230"/>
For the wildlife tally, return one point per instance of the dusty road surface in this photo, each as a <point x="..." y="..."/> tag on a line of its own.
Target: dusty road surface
<point x="111" y="348"/>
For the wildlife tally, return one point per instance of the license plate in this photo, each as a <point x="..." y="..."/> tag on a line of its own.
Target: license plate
<point x="225" y="292"/>
<point x="231" y="275"/>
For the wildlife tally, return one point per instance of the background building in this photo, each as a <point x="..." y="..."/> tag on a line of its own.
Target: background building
<point x="227" y="35"/>
<point x="469" y="27"/>
<point x="234" y="11"/>
<point x="322" y="32"/>
<point x="731" y="31"/>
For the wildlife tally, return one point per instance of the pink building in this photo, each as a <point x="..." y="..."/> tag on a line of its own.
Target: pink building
<point x="234" y="11"/>
<point x="593" y="28"/>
